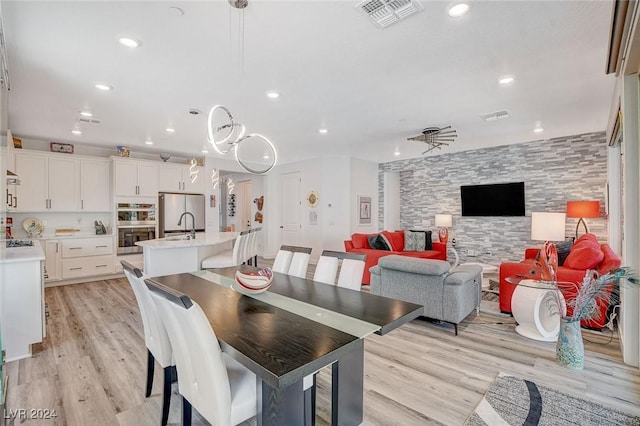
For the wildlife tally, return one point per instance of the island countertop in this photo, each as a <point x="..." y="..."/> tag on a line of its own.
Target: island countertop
<point x="206" y="239"/>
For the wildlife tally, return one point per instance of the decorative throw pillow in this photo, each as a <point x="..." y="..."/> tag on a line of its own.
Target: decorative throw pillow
<point x="394" y="239"/>
<point x="386" y="238"/>
<point x="563" y="249"/>
<point x="377" y="242"/>
<point x="584" y="256"/>
<point x="414" y="241"/>
<point x="428" y="244"/>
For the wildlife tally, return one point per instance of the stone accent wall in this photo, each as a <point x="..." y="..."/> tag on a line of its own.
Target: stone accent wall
<point x="554" y="171"/>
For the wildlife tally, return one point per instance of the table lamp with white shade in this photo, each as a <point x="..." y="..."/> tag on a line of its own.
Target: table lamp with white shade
<point x="548" y="227"/>
<point x="444" y="222"/>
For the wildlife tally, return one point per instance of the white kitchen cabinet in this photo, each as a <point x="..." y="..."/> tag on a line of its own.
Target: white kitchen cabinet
<point x="135" y="178"/>
<point x="21" y="300"/>
<point x="177" y="178"/>
<point x="53" y="259"/>
<point x="94" y="185"/>
<point x="83" y="257"/>
<point x="46" y="183"/>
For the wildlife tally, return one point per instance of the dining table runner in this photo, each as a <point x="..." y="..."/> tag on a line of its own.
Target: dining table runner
<point x="338" y="321"/>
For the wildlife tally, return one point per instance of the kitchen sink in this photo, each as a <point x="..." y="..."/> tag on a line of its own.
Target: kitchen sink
<point x="178" y="237"/>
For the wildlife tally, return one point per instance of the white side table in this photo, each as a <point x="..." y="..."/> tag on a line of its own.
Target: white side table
<point x="536" y="307"/>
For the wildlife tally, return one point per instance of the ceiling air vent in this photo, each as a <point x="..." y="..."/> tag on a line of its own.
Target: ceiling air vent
<point x="494" y="116"/>
<point x="386" y="12"/>
<point x="87" y="120"/>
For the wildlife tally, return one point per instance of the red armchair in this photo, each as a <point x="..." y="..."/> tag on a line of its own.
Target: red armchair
<point x="359" y="243"/>
<point x="607" y="260"/>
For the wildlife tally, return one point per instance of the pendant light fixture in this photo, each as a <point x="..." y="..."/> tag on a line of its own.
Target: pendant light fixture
<point x="226" y="133"/>
<point x="193" y="167"/>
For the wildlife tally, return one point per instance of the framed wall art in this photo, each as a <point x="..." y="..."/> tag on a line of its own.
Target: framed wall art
<point x="364" y="210"/>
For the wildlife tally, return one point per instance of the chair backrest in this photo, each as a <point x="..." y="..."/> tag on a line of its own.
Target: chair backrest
<point x="155" y="335"/>
<point x="351" y="270"/>
<point x="238" y="247"/>
<point x="282" y="261"/>
<point x="351" y="273"/>
<point x="202" y="375"/>
<point x="299" y="260"/>
<point x="253" y="251"/>
<point x="326" y="269"/>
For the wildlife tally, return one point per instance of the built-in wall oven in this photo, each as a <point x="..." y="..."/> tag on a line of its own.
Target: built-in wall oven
<point x="136" y="222"/>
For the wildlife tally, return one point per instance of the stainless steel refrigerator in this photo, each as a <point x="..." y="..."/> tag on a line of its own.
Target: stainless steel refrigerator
<point x="171" y="206"/>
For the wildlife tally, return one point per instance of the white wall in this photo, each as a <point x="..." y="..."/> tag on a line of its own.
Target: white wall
<point x="338" y="180"/>
<point x="364" y="181"/>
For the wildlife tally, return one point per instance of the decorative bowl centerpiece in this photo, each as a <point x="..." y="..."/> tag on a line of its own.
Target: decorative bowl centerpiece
<point x="253" y="282"/>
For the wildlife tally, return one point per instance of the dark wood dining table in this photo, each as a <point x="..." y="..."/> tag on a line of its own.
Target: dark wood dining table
<point x="291" y="331"/>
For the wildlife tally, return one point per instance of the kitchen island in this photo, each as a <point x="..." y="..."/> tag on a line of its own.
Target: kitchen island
<point x="21" y="299"/>
<point x="177" y="254"/>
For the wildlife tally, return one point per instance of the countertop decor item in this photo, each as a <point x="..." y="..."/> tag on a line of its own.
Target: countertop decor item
<point x="33" y="226"/>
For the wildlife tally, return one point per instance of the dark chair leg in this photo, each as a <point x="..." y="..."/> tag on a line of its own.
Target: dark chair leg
<point x="166" y="394"/>
<point x="151" y="361"/>
<point x="186" y="412"/>
<point x="456" y="327"/>
<point x="255" y="260"/>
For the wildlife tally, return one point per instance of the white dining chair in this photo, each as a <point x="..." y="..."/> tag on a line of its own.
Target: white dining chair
<point x="282" y="261"/>
<point x="253" y="247"/>
<point x="155" y="337"/>
<point x="228" y="258"/>
<point x="351" y="272"/>
<point x="299" y="261"/>
<point x="220" y="388"/>
<point x="326" y="269"/>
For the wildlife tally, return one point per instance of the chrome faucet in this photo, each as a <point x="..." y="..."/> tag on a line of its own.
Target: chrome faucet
<point x="193" y="224"/>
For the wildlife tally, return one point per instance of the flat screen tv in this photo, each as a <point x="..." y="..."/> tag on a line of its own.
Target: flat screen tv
<point x="500" y="199"/>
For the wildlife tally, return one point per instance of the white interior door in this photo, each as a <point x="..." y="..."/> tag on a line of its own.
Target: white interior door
<point x="291" y="211"/>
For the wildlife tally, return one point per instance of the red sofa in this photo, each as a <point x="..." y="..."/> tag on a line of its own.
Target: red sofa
<point x="585" y="254"/>
<point x="359" y="243"/>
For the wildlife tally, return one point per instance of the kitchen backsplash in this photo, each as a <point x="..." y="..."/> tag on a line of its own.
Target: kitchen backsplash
<point x="82" y="221"/>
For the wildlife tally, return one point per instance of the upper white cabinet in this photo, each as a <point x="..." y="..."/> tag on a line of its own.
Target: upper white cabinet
<point x="135" y="178"/>
<point x="94" y="185"/>
<point x="48" y="183"/>
<point x="176" y="178"/>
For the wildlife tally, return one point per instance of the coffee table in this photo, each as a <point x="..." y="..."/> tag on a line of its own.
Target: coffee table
<point x="536" y="306"/>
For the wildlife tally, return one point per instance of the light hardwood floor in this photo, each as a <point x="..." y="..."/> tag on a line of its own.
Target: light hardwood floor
<point x="91" y="366"/>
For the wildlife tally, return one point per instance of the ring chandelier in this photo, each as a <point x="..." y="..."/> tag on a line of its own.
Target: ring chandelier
<point x="225" y="134"/>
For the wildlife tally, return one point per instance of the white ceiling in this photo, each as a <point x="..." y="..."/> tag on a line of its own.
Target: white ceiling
<point x="372" y="88"/>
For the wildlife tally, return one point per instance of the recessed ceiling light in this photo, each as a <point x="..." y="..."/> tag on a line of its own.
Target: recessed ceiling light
<point x="76" y="132"/>
<point x="396" y="153"/>
<point x="86" y="114"/>
<point x="148" y="142"/>
<point x="104" y="87"/>
<point x="458" y="10"/>
<point x="204" y="151"/>
<point x="170" y="130"/>
<point x="129" y="42"/>
<point x="272" y="94"/>
<point x="176" y="11"/>
<point x="538" y="130"/>
<point x="323" y="131"/>
<point x="506" y="80"/>
<point x="266" y="156"/>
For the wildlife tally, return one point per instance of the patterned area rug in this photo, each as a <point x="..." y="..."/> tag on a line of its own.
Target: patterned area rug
<point x="514" y="401"/>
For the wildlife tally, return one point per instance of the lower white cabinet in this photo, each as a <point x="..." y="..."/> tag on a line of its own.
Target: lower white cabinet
<point x="72" y="258"/>
<point x="87" y="266"/>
